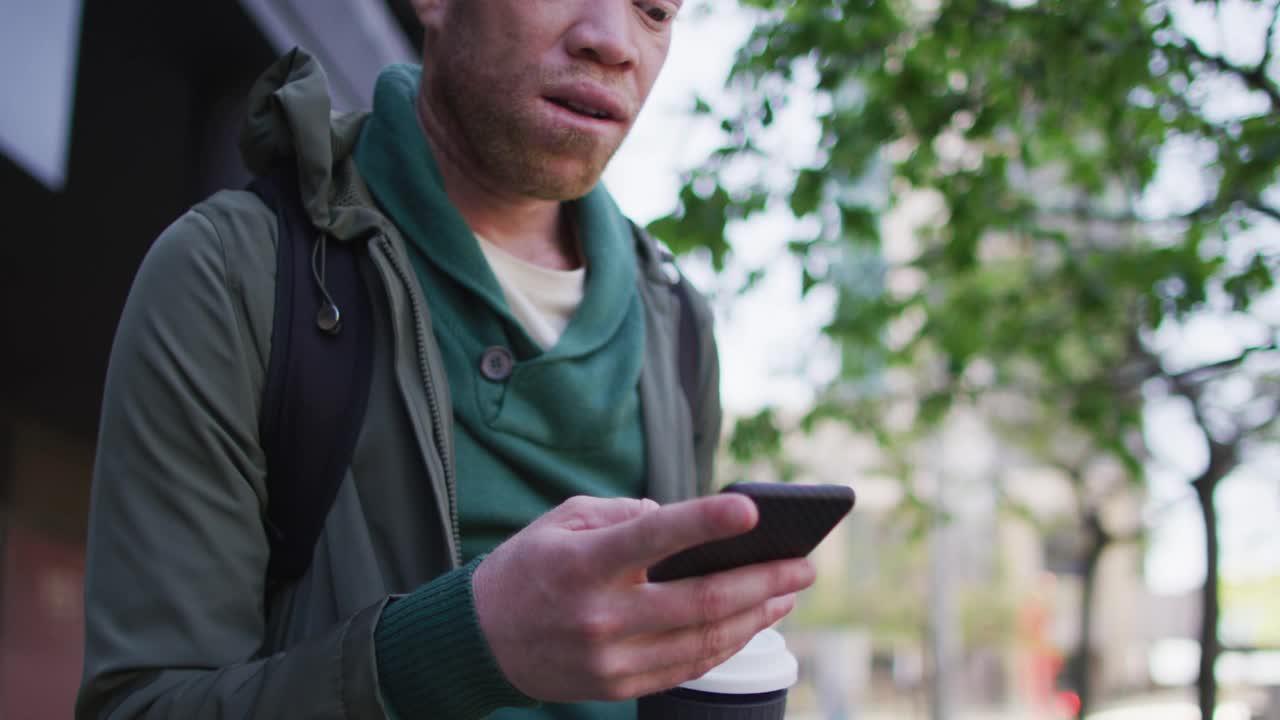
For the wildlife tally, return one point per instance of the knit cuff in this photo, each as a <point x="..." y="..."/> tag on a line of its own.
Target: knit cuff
<point x="433" y="659"/>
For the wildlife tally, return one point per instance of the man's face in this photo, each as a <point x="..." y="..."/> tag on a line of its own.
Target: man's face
<point x="537" y="95"/>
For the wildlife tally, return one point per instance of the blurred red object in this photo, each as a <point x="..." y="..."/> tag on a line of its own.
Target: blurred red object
<point x="1068" y="703"/>
<point x="1040" y="661"/>
<point x="41" y="626"/>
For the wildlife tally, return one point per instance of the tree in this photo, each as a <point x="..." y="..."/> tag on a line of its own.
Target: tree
<point x="1043" y="134"/>
<point x="1096" y="481"/>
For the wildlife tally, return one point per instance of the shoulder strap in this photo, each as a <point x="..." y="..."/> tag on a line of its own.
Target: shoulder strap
<point x="689" y="354"/>
<point x="688" y="347"/>
<point x="318" y="376"/>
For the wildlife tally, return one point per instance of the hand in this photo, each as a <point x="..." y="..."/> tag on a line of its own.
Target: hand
<point x="570" y="615"/>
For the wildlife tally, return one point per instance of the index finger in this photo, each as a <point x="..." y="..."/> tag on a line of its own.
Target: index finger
<point x="658" y="534"/>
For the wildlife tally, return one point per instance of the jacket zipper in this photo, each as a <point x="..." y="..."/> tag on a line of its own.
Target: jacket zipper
<point x="433" y="405"/>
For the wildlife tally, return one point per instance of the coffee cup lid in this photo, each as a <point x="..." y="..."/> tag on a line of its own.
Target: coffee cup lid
<point x="764" y="665"/>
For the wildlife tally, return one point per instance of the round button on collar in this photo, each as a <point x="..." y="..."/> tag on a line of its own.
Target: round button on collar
<point x="497" y="363"/>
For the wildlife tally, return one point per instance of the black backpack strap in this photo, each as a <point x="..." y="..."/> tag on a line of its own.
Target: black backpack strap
<point x="688" y="345"/>
<point x="318" y="377"/>
<point x="689" y="354"/>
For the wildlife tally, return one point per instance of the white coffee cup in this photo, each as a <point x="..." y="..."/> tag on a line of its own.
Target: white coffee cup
<point x="751" y="685"/>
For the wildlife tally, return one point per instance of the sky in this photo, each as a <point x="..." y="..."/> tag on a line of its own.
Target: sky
<point x="767" y="357"/>
<point x="771" y="353"/>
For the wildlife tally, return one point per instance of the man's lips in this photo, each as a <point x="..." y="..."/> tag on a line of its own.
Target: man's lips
<point x="589" y="101"/>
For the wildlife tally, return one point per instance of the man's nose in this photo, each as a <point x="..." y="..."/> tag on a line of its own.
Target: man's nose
<point x="603" y="33"/>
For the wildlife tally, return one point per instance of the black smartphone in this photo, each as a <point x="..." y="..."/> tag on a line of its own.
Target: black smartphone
<point x="793" y="520"/>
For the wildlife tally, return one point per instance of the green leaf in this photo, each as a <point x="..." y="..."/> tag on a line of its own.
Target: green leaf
<point x="807" y="194"/>
<point x="756" y="437"/>
<point x="807" y="282"/>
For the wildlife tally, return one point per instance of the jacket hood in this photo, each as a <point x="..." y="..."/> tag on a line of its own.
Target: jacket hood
<point x="290" y="125"/>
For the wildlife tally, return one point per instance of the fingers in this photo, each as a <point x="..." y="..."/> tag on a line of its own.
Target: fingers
<point x="554" y="601"/>
<point x="667" y="606"/>
<point x="584" y="512"/>
<point x="665" y="660"/>
<point x="638" y="686"/>
<point x="652" y="536"/>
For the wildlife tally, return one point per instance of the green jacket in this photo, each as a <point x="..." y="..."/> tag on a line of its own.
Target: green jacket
<point x="177" y="623"/>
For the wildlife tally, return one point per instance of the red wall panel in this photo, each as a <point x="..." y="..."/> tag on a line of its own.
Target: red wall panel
<point x="42" y="633"/>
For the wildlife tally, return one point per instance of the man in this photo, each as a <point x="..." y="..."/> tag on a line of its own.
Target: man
<point x="485" y="555"/>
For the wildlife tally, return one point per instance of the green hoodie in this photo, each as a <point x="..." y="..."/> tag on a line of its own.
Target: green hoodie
<point x="178" y="620"/>
<point x="565" y="422"/>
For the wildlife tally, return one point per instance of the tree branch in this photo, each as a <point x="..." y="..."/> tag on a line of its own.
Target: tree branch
<point x="1116" y="490"/>
<point x="1085" y="213"/>
<point x="1263" y="209"/>
<point x="1131" y="536"/>
<point x="1017" y="508"/>
<point x="1223" y="454"/>
<point x="1267" y="44"/>
<point x="1264" y="426"/>
<point x="1193" y="376"/>
<point x="1217" y="206"/>
<point x="1255" y="78"/>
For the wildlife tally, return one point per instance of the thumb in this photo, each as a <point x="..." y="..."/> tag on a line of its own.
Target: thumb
<point x="584" y="512"/>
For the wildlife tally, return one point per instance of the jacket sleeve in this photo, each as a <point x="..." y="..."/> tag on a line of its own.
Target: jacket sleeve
<point x="709" y="415"/>
<point x="174" y="585"/>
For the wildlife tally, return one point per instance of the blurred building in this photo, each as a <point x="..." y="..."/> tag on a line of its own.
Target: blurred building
<point x="116" y="117"/>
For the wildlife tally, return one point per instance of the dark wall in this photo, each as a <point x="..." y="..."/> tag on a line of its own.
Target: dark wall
<point x="407" y="19"/>
<point x="159" y="93"/>
<point x="159" y="98"/>
<point x="160" y="87"/>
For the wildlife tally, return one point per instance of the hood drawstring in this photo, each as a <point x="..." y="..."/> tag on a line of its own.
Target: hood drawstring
<point x="329" y="318"/>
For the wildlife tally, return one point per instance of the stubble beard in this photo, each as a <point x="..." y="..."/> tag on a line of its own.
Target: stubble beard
<point x="511" y="142"/>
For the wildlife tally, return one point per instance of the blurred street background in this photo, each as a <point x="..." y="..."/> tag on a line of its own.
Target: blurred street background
<point x="1006" y="267"/>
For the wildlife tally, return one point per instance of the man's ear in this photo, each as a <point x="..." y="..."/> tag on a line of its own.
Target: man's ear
<point x="431" y="14"/>
<point x="429" y="11"/>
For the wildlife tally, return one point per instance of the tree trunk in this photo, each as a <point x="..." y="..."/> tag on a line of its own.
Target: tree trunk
<point x="1082" y="671"/>
<point x="1206" y="683"/>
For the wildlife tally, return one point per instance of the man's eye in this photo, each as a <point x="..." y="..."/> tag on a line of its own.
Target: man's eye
<point x="657" y="14"/>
